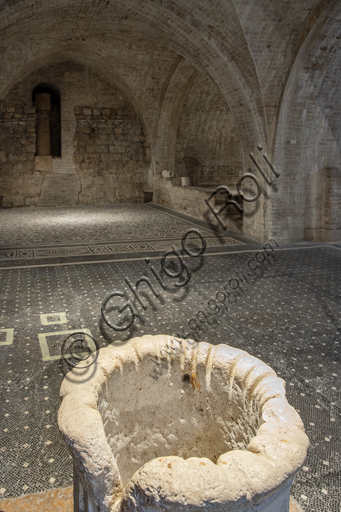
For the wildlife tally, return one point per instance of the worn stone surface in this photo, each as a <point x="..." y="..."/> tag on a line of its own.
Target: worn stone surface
<point x="170" y="423"/>
<point x="17" y="173"/>
<point x="60" y="189"/>
<point x="191" y="200"/>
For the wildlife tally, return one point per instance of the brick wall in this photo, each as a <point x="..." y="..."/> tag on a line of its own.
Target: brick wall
<point x="207" y="132"/>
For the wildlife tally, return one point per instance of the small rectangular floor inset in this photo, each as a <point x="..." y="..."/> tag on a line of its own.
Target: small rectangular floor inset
<point x="58" y="500"/>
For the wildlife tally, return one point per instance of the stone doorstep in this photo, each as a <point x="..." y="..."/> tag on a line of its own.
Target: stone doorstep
<point x="61" y="500"/>
<point x="58" y="500"/>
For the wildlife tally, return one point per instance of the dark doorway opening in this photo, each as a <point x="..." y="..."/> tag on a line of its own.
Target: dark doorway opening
<point x="53" y="115"/>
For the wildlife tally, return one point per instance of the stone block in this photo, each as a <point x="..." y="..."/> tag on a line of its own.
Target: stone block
<point x="87" y="111"/>
<point x="31" y="201"/>
<point x="6" y="202"/>
<point x="43" y="163"/>
<point x="85" y="129"/>
<point x="102" y="149"/>
<point x="18" y="200"/>
<point x="78" y="158"/>
<point x="19" y="166"/>
<point x="106" y="157"/>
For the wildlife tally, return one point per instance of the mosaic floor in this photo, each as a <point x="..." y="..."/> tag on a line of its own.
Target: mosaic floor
<point x="26" y="233"/>
<point x="288" y="315"/>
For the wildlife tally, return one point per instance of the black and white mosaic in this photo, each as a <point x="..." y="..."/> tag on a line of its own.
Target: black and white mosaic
<point x="45" y="233"/>
<point x="290" y="318"/>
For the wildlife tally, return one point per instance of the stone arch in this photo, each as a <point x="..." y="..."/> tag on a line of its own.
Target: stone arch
<point x="75" y="178"/>
<point x="79" y="55"/>
<point x="308" y="139"/>
<point x="194" y="31"/>
<point x="164" y="150"/>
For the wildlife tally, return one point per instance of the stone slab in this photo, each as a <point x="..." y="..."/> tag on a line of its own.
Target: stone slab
<point x="43" y="163"/>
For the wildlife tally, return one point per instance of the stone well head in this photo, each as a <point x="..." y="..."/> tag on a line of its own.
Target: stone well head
<point x="171" y="424"/>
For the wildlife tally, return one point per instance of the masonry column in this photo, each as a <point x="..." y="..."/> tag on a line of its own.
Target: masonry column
<point x="43" y="102"/>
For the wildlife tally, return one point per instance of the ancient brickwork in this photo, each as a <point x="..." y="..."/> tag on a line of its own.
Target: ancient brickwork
<point x="19" y="182"/>
<point x="110" y="155"/>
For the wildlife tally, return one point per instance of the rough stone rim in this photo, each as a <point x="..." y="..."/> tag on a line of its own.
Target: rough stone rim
<point x="277" y="451"/>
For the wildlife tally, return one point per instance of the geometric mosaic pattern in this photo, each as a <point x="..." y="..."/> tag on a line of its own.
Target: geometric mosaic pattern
<point x="90" y="250"/>
<point x="88" y="225"/>
<point x="289" y="317"/>
<point x="27" y="234"/>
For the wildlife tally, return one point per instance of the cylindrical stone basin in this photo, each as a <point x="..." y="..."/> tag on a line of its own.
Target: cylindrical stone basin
<point x="174" y="425"/>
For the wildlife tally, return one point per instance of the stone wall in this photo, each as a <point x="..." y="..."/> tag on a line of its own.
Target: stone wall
<point x="191" y="201"/>
<point x="104" y="155"/>
<point x="110" y="155"/>
<point x="20" y="183"/>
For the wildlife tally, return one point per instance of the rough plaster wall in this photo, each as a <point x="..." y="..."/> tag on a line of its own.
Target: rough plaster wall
<point x="78" y="86"/>
<point x="207" y="132"/>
